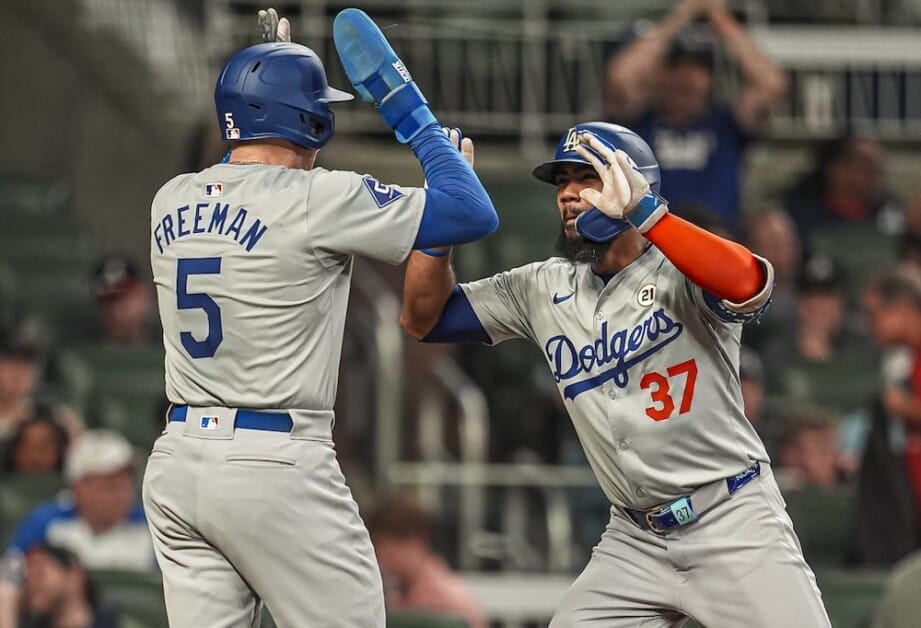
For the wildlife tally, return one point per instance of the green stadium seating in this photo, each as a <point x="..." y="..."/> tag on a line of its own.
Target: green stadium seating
<point x="851" y="596"/>
<point x="820" y="517"/>
<point x="19" y="494"/>
<point x="409" y="619"/>
<point x="127" y="390"/>
<point x="860" y="249"/>
<point x="844" y="384"/>
<point x="30" y="196"/>
<point x="138" y="595"/>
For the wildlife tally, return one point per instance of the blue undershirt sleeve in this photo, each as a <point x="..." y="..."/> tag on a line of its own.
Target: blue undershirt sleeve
<point x="458" y="322"/>
<point x="457" y="207"/>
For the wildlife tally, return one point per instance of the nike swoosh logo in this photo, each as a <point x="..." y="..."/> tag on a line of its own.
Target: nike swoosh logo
<point x="557" y="299"/>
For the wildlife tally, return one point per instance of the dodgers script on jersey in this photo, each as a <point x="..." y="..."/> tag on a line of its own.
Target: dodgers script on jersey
<point x="642" y="363"/>
<point x="253" y="297"/>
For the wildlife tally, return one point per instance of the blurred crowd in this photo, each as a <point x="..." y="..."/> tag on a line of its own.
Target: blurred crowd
<point x="831" y="374"/>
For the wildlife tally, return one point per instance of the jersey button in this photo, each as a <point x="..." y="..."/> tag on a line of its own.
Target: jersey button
<point x="622" y="444"/>
<point x="640" y="491"/>
<point x="599" y="316"/>
<point x="612" y="393"/>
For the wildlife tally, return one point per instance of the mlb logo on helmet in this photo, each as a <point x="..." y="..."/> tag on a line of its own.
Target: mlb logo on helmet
<point x="232" y="134"/>
<point x="214" y="189"/>
<point x="209" y="422"/>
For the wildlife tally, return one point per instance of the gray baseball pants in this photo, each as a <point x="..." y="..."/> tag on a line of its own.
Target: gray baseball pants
<point x="240" y="517"/>
<point x="740" y="564"/>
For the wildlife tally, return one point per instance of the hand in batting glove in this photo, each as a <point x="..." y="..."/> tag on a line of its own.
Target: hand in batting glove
<point x="379" y="75"/>
<point x="273" y="29"/>
<point x="626" y="192"/>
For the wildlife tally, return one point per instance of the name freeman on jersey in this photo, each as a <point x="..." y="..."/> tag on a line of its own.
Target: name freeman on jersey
<point x="622" y="347"/>
<point x="208" y="218"/>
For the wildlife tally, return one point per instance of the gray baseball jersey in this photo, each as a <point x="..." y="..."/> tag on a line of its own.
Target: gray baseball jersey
<point x="647" y="365"/>
<point x="252" y="265"/>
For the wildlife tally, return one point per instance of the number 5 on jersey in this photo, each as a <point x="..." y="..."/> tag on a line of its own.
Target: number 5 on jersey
<point x="186" y="300"/>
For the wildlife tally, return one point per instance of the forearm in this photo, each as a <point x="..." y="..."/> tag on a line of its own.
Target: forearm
<point x="457" y="208"/>
<point x="723" y="268"/>
<point x="9" y="605"/>
<point x="629" y="73"/>
<point x="759" y="70"/>
<point x="643" y="54"/>
<point x="428" y="283"/>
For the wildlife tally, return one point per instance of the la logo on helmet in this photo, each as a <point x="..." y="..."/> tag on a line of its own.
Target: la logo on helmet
<point x="572" y="140"/>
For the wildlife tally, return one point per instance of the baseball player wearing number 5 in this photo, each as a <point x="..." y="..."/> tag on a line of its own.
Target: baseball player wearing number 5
<point x="252" y="261"/>
<point x="640" y="323"/>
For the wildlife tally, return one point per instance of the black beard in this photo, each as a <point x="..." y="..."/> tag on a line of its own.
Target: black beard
<point x="579" y="249"/>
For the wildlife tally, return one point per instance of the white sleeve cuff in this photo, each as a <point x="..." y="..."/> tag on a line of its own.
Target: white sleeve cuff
<point x="756" y="302"/>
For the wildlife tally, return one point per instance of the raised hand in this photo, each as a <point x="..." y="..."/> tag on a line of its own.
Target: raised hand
<point x="625" y="192"/>
<point x="624" y="186"/>
<point x="273" y="28"/>
<point x="463" y="144"/>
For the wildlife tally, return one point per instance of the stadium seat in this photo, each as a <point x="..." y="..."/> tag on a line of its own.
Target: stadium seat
<point x="851" y="596"/>
<point x="127" y="390"/>
<point x="844" y="384"/>
<point x="820" y="517"/>
<point x="409" y="619"/>
<point x="861" y="249"/>
<point x="19" y="494"/>
<point x="138" y="595"/>
<point x="31" y="196"/>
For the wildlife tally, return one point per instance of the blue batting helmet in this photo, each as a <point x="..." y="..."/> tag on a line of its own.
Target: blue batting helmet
<point x="615" y="136"/>
<point x="276" y="90"/>
<point x="593" y="225"/>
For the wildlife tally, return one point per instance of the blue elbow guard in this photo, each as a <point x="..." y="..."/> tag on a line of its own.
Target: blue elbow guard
<point x="378" y="74"/>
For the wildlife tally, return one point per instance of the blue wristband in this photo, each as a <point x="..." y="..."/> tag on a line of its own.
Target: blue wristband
<point x="647" y="212"/>
<point x="435" y="252"/>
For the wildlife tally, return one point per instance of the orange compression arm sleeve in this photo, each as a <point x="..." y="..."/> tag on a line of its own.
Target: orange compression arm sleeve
<point x="723" y="268"/>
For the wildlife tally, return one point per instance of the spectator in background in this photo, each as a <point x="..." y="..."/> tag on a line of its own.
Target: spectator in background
<point x="661" y="85"/>
<point x="58" y="593"/>
<point x="125" y="303"/>
<point x="100" y="520"/>
<point x="808" y="454"/>
<point x="751" y="373"/>
<point x="20" y="370"/>
<point x="910" y="242"/>
<point x="702" y="216"/>
<point x="887" y="523"/>
<point x="771" y="234"/>
<point x="825" y="330"/>
<point x="846" y="186"/>
<point x="37" y="446"/>
<point x="415" y="578"/>
<point x="893" y="306"/>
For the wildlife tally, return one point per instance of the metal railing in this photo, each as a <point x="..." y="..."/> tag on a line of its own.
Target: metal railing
<point x="524" y="71"/>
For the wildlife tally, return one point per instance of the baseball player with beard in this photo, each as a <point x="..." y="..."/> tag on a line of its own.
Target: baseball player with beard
<point x="640" y="322"/>
<point x="252" y="260"/>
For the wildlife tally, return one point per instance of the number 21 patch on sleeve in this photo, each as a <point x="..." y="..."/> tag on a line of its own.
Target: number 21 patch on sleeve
<point x="382" y="193"/>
